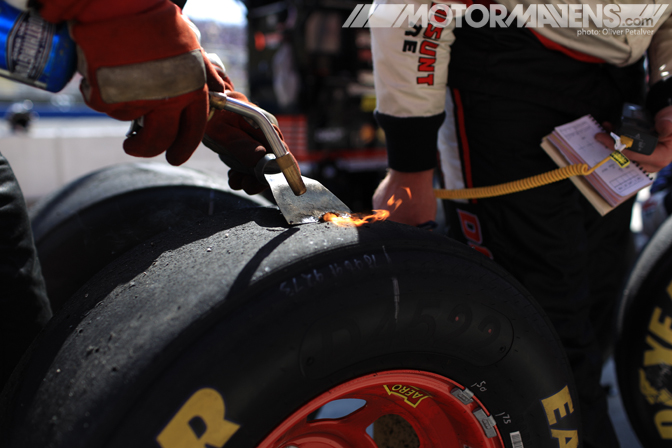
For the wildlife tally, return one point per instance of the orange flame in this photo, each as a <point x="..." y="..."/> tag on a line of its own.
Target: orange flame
<point x="392" y="202"/>
<point x="356" y="220"/>
<point x="359" y="219"/>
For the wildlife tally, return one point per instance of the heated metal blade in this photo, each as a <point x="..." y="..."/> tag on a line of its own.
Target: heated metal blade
<point x="310" y="206"/>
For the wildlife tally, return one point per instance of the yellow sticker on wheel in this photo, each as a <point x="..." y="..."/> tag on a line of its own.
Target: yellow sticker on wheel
<point x="411" y="395"/>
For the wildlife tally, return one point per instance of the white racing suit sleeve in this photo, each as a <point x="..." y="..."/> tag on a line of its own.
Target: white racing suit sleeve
<point x="660" y="53"/>
<point x="410" y="73"/>
<point x="660" y="63"/>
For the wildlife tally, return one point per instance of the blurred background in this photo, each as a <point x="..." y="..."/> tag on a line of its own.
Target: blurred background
<point x="51" y="139"/>
<point x="292" y="58"/>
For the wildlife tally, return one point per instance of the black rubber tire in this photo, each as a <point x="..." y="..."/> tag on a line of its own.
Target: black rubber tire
<point x="643" y="353"/>
<point x="84" y="225"/>
<point x="270" y="317"/>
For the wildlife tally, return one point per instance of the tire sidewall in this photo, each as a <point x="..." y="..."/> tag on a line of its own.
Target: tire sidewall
<point x="296" y="338"/>
<point x="643" y="353"/>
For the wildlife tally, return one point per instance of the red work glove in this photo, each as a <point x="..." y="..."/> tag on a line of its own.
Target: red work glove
<point x="233" y="133"/>
<point x="140" y="58"/>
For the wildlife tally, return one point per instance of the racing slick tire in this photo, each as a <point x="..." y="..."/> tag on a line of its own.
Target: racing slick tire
<point x="643" y="352"/>
<point x="84" y="225"/>
<point x="234" y="330"/>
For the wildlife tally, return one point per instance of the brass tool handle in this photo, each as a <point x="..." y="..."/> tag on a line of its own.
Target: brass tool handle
<point x="285" y="159"/>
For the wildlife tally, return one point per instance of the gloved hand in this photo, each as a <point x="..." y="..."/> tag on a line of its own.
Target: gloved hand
<point x="140" y="58"/>
<point x="231" y="132"/>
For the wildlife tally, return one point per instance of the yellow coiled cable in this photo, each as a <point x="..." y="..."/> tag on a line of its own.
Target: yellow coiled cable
<point x="556" y="175"/>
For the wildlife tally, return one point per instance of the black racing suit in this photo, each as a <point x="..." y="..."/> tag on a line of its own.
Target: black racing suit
<point x="24" y="307"/>
<point x="571" y="259"/>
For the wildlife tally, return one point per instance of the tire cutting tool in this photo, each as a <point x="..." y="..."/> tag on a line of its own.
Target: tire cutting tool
<point x="300" y="199"/>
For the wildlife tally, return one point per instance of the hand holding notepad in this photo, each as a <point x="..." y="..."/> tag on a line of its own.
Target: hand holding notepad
<point x="609" y="185"/>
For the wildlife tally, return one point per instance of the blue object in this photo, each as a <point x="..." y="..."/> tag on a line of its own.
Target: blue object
<point x="34" y="51"/>
<point x="663" y="179"/>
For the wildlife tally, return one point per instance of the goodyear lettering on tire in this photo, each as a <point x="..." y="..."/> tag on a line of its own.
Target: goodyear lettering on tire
<point x="208" y="406"/>
<point x="654" y="375"/>
<point x="557" y="407"/>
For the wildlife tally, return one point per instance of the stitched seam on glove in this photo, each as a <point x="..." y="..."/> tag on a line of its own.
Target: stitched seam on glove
<point x="153" y="80"/>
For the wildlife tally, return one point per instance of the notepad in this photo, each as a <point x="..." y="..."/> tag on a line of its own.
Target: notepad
<point x="609" y="185"/>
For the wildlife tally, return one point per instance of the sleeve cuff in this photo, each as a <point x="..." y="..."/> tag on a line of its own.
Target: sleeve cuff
<point x="659" y="96"/>
<point x="411" y="141"/>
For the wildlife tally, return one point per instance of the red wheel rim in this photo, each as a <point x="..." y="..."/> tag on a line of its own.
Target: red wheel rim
<point x="439" y="411"/>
